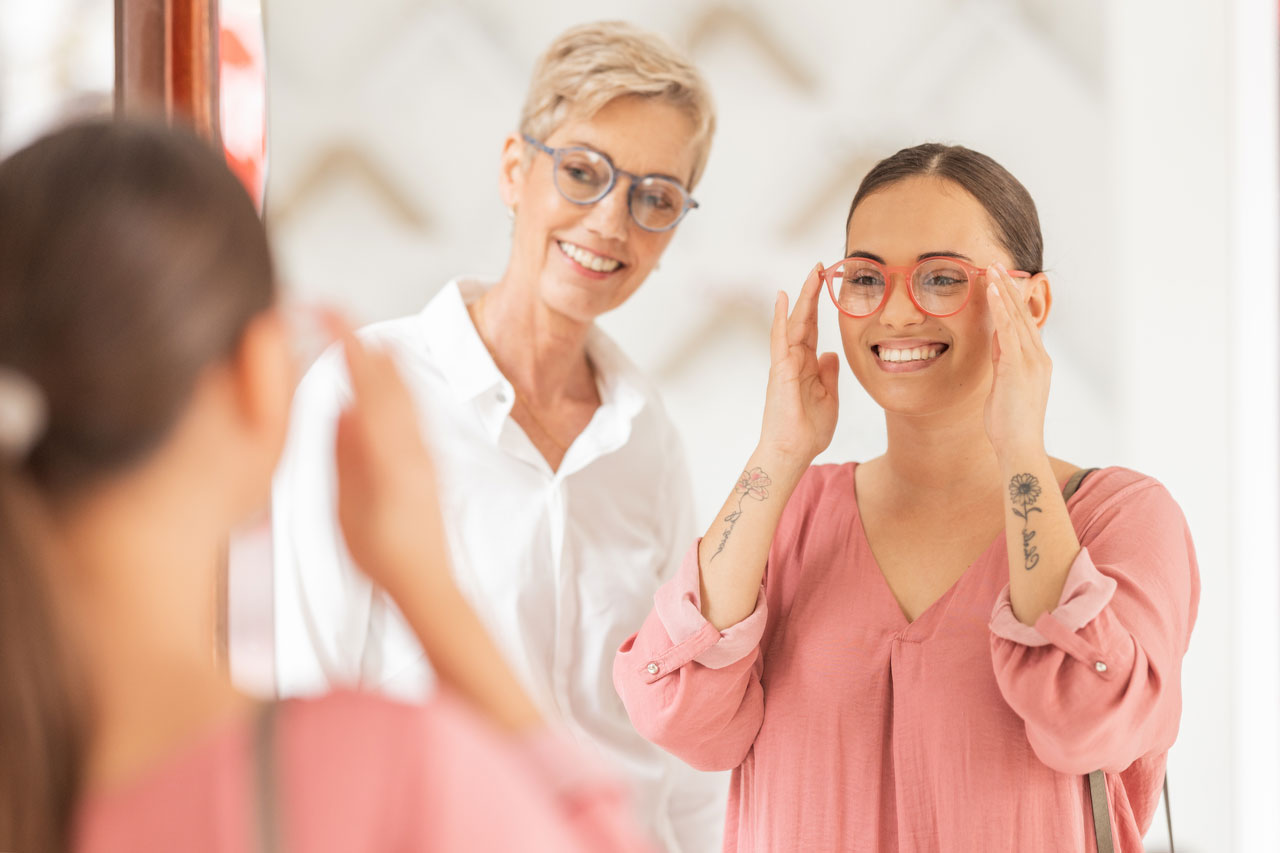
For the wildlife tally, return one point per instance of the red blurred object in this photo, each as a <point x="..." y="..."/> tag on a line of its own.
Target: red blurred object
<point x="243" y="96"/>
<point x="166" y="61"/>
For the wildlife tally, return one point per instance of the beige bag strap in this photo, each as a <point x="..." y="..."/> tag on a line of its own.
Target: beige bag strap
<point x="266" y="780"/>
<point x="1073" y="485"/>
<point x="1101" y="812"/>
<point x="1097" y="779"/>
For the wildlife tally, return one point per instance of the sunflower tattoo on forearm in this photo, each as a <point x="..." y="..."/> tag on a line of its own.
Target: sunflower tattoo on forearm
<point x="1024" y="490"/>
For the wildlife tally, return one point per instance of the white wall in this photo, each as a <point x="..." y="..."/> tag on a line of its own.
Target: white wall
<point x="1192" y="133"/>
<point x="1254" y="379"/>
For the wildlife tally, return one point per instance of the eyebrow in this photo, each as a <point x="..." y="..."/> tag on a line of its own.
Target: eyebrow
<point x="577" y="143"/>
<point x="944" y="253"/>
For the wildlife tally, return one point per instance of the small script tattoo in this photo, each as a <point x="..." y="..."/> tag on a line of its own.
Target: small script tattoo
<point x="1024" y="491"/>
<point x="752" y="484"/>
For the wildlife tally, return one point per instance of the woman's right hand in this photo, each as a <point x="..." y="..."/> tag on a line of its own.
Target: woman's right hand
<point x="801" y="403"/>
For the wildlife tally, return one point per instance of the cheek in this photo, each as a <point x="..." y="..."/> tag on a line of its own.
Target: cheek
<point x="647" y="247"/>
<point x="856" y="352"/>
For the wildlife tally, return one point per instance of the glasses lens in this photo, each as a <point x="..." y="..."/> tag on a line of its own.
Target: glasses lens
<point x="941" y="286"/>
<point x="859" y="286"/>
<point x="657" y="203"/>
<point x="582" y="176"/>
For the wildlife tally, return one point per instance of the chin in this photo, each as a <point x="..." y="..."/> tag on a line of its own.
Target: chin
<point x="907" y="395"/>
<point x="583" y="301"/>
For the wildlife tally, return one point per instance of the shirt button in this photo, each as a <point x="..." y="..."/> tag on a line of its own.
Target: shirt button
<point x="652" y="668"/>
<point x="1100" y="666"/>
<point x="502" y="396"/>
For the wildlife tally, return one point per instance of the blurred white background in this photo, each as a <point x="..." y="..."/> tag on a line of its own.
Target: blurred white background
<point x="1146" y="131"/>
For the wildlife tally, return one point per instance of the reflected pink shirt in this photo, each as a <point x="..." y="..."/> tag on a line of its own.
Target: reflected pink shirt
<point x="357" y="772"/>
<point x="849" y="728"/>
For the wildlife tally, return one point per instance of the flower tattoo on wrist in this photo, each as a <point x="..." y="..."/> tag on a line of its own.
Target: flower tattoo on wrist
<point x="752" y="484"/>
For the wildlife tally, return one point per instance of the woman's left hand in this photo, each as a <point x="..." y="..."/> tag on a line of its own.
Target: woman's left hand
<point x="1021" y="368"/>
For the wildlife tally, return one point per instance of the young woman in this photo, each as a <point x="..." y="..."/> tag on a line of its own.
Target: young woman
<point x="145" y="379"/>
<point x="537" y="416"/>
<point x="924" y="652"/>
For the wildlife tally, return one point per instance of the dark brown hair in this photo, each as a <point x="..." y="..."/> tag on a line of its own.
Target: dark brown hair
<point x="1007" y="202"/>
<point x="131" y="260"/>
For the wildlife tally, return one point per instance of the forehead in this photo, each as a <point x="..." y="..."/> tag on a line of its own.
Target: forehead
<point x="923" y="214"/>
<point x="639" y="134"/>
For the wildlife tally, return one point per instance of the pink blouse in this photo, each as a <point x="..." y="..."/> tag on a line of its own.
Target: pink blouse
<point x="357" y="772"/>
<point x="849" y="728"/>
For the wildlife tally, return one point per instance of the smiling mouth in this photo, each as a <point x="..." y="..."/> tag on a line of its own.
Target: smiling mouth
<point x="902" y="355"/>
<point x="588" y="259"/>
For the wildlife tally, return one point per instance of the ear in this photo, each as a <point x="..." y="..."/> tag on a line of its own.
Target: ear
<point x="264" y="375"/>
<point x="511" y="170"/>
<point x="1039" y="297"/>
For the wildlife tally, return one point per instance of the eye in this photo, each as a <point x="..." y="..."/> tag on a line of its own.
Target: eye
<point x="941" y="281"/>
<point x="657" y="195"/>
<point x="584" y="168"/>
<point x="657" y="201"/>
<point x="861" y="277"/>
<point x="939" y="276"/>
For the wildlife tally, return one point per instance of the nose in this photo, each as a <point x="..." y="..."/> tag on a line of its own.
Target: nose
<point x="609" y="217"/>
<point x="898" y="310"/>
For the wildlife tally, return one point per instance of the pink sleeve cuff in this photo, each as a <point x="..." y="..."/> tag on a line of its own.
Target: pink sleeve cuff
<point x="1086" y="592"/>
<point x="678" y="603"/>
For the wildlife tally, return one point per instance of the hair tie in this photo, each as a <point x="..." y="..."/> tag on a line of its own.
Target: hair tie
<point x="24" y="414"/>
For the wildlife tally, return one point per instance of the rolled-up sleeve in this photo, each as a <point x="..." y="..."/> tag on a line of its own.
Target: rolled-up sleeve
<point x="1097" y="681"/>
<point x="687" y="687"/>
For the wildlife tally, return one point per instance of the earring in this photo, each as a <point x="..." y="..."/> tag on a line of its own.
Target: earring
<point x="511" y="212"/>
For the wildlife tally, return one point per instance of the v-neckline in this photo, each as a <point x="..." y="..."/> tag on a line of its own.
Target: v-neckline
<point x="905" y="625"/>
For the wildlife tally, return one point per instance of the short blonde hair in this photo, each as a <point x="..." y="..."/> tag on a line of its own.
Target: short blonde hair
<point x="592" y="64"/>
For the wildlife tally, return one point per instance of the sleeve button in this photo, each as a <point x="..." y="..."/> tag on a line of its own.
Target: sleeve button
<point x="652" y="668"/>
<point x="1100" y="666"/>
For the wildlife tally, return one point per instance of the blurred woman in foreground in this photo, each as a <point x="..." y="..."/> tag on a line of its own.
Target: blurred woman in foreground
<point x="145" y="381"/>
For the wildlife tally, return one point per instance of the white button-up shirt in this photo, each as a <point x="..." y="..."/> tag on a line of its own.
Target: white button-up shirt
<point x="560" y="565"/>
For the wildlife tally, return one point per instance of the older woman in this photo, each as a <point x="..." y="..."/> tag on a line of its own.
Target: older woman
<point x="563" y="483"/>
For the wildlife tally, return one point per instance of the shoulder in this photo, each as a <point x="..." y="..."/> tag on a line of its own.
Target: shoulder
<point x="366" y="719"/>
<point x="325" y="384"/>
<point x="822" y="503"/>
<point x="372" y="773"/>
<point x="360" y="737"/>
<point x="652" y="428"/>
<point x="625" y="382"/>
<point x="1117" y="495"/>
<point x="823" y="484"/>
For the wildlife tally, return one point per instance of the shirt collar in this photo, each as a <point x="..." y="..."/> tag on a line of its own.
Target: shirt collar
<point x="470" y="372"/>
<point x="454" y="343"/>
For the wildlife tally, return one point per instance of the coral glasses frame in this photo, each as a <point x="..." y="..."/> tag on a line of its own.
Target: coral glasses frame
<point x="907" y="271"/>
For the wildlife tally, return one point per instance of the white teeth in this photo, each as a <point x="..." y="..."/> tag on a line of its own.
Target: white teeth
<point x="898" y="355"/>
<point x="590" y="260"/>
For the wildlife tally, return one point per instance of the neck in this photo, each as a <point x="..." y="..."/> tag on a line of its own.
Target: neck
<point x="943" y="453"/>
<point x="141" y="572"/>
<point x="541" y="351"/>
